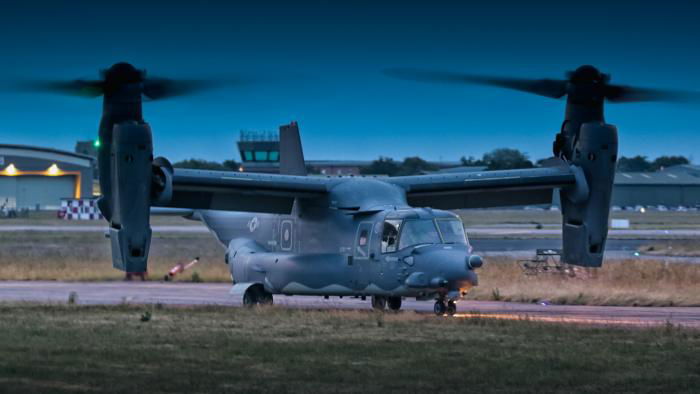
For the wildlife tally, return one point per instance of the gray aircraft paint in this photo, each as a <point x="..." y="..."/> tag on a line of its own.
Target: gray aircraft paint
<point x="316" y="250"/>
<point x="300" y="233"/>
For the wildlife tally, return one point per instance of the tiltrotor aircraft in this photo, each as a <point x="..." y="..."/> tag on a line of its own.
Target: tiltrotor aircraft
<point x="384" y="237"/>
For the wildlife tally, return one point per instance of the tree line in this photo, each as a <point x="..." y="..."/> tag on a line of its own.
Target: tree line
<point x="498" y="159"/>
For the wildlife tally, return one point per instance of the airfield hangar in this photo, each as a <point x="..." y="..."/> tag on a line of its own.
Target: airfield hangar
<point x="676" y="186"/>
<point x="38" y="178"/>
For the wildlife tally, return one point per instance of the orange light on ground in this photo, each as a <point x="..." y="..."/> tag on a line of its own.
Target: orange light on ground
<point x="606" y="321"/>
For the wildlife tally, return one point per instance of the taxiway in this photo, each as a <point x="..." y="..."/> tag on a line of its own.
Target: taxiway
<point x="112" y="293"/>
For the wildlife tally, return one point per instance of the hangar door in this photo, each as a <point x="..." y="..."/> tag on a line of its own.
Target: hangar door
<point x="45" y="191"/>
<point x="8" y="191"/>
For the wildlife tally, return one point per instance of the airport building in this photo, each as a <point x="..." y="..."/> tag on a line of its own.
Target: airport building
<point x="677" y="186"/>
<point x="260" y="152"/>
<point x="38" y="178"/>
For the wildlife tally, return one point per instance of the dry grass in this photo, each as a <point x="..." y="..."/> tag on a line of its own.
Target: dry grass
<point x="684" y="248"/>
<point x="638" y="220"/>
<point x="86" y="257"/>
<point x="621" y="282"/>
<point x="472" y="218"/>
<point x="274" y="350"/>
<point x="49" y="218"/>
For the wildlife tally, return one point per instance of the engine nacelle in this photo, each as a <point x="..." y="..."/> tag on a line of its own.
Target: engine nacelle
<point x="161" y="181"/>
<point x="586" y="208"/>
<point x="130" y="198"/>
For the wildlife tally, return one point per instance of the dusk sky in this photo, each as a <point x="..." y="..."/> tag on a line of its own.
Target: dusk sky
<point x="320" y="62"/>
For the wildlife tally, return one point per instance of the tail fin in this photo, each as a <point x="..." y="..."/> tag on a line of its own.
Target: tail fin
<point x="291" y="154"/>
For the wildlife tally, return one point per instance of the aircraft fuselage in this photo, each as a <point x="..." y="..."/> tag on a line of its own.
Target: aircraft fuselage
<point x="358" y="247"/>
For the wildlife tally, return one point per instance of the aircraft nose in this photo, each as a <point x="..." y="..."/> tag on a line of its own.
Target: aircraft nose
<point x="443" y="266"/>
<point x="454" y="264"/>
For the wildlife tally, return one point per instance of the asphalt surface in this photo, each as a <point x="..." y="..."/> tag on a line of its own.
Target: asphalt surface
<point x="507" y="245"/>
<point x="110" y="293"/>
<point x="484" y="231"/>
<point x="514" y="242"/>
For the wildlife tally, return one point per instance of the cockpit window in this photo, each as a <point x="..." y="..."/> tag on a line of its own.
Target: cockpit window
<point x="417" y="232"/>
<point x="452" y="231"/>
<point x="390" y="235"/>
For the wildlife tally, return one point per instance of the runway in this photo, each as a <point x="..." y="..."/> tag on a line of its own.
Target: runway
<point x="498" y="231"/>
<point x="111" y="293"/>
<point x="530" y="245"/>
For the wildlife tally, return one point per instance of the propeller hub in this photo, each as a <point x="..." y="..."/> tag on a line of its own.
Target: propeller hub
<point x="588" y="74"/>
<point x="121" y="74"/>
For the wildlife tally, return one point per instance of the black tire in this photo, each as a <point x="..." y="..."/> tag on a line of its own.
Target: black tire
<point x="379" y="303"/>
<point x="265" y="298"/>
<point x="451" y="308"/>
<point x="250" y="297"/>
<point x="439" y="308"/>
<point x="394" y="303"/>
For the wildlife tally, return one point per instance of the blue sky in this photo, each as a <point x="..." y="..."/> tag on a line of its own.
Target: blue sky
<point x="320" y="62"/>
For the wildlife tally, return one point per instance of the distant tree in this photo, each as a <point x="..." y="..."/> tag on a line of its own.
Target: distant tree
<point x="471" y="162"/>
<point x="662" y="162"/>
<point x="381" y="166"/>
<point x="231" y="165"/>
<point x="634" y="164"/>
<point x="200" y="164"/>
<point x="414" y="166"/>
<point x="506" y="159"/>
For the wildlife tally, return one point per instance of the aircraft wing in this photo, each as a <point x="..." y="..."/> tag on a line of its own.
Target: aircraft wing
<point x="238" y="191"/>
<point x="486" y="188"/>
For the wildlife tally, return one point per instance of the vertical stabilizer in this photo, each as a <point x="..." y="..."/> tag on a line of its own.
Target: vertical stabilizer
<point x="291" y="154"/>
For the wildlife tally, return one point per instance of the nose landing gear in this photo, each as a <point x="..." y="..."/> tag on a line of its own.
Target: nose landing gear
<point x="440" y="307"/>
<point x="380" y="303"/>
<point x="256" y="295"/>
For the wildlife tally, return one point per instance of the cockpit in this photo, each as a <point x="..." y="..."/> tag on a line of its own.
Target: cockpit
<point x="398" y="234"/>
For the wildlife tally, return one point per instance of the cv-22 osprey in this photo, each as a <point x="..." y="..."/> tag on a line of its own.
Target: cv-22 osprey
<point x="379" y="237"/>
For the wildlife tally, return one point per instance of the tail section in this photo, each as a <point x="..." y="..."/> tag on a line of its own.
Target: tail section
<point x="291" y="153"/>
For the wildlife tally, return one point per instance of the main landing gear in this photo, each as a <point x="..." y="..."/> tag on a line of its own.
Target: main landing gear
<point x="256" y="295"/>
<point x="381" y="302"/>
<point x="440" y="307"/>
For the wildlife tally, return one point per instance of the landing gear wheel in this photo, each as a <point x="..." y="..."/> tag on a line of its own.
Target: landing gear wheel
<point x="265" y="298"/>
<point x="439" y="308"/>
<point x="451" y="308"/>
<point x="256" y="295"/>
<point x="379" y="302"/>
<point x="250" y="298"/>
<point x="394" y="303"/>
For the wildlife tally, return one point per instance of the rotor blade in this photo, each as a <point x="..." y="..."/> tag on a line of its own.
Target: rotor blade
<point x="162" y="88"/>
<point x="544" y="87"/>
<point x="628" y="94"/>
<point x="78" y="87"/>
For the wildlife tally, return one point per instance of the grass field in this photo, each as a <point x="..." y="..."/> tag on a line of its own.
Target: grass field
<point x="471" y="218"/>
<point x="685" y="248"/>
<point x="31" y="255"/>
<point x="620" y="282"/>
<point x="49" y="218"/>
<point x="86" y="257"/>
<point x="638" y="220"/>
<point x="271" y="350"/>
